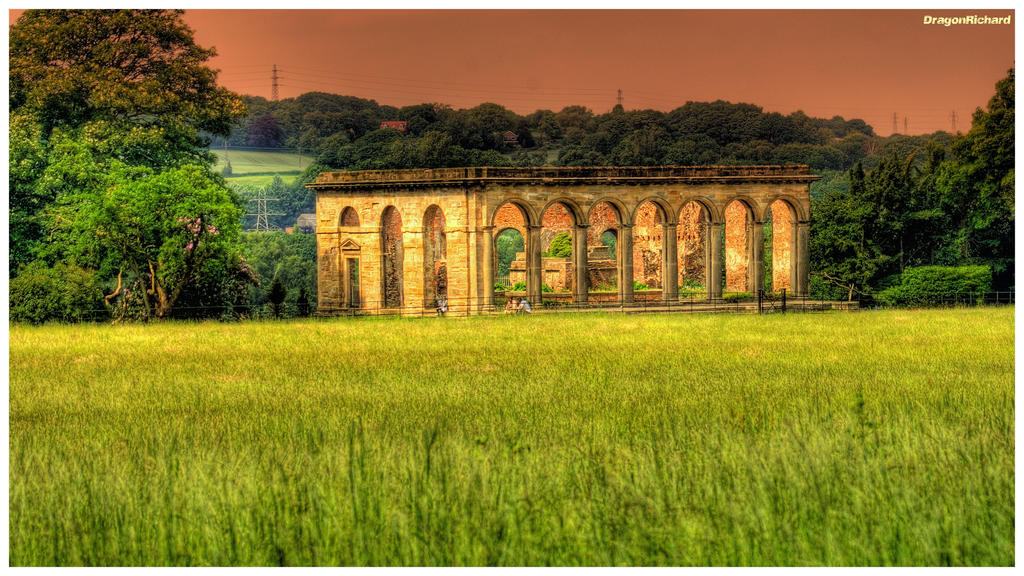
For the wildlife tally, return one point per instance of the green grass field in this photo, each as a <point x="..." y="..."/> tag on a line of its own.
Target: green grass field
<point x="258" y="167"/>
<point x="868" y="438"/>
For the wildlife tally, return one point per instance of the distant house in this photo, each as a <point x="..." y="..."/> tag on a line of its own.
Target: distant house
<point x="510" y="138"/>
<point x="305" y="224"/>
<point x="396" y="124"/>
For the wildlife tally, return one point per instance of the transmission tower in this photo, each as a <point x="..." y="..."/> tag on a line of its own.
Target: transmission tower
<point x="273" y="84"/>
<point x="895" y="124"/>
<point x="618" y="100"/>
<point x="905" y="130"/>
<point x="262" y="225"/>
<point x="953" y="118"/>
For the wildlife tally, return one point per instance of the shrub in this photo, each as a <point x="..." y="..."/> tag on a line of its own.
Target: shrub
<point x="518" y="287"/>
<point x="546" y="288"/>
<point x="561" y="246"/>
<point x="276" y="296"/>
<point x="735" y="296"/>
<point x="498" y="287"/>
<point x="933" y="285"/>
<point x="639" y="285"/>
<point x="63" y="293"/>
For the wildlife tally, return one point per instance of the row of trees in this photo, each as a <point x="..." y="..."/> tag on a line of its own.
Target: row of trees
<point x="343" y="131"/>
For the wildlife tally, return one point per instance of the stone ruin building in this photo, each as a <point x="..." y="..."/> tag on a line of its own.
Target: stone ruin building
<point x="399" y="240"/>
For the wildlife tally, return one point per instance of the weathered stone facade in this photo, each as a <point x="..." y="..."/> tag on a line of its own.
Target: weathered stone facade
<point x="401" y="239"/>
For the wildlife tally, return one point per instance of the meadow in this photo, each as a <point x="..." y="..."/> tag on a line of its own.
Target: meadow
<point x="868" y="438"/>
<point x="258" y="167"/>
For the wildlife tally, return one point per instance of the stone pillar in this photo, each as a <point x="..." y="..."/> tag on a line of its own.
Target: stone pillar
<point x="487" y="266"/>
<point x="755" y="269"/>
<point x="625" y="258"/>
<point x="794" y="260"/>
<point x="534" y="270"/>
<point x="803" y="257"/>
<point x="414" y="277"/>
<point x="670" y="262"/>
<point x="579" y="245"/>
<point x="714" y="287"/>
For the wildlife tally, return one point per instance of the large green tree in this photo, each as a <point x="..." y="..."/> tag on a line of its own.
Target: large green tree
<point x="110" y="169"/>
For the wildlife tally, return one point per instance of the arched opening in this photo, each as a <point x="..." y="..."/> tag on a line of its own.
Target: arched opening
<point x="349" y="218"/>
<point x="557" y="226"/>
<point x="779" y="242"/>
<point x="510" y="248"/>
<point x="737" y="247"/>
<point x="391" y="254"/>
<point x="602" y="256"/>
<point x="435" y="258"/>
<point x="648" y="247"/>
<point x="692" y="244"/>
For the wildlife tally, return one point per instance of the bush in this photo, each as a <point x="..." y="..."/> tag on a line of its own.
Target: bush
<point x="639" y="285"/>
<point x="934" y="285"/>
<point x="63" y="293"/>
<point x="518" y="287"/>
<point x="732" y="297"/>
<point x="546" y="288"/>
<point x="561" y="246"/>
<point x="498" y="287"/>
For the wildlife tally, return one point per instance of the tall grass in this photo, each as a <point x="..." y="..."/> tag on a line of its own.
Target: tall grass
<point x="881" y="438"/>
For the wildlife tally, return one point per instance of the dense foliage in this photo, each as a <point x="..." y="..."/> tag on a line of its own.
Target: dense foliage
<point x="933" y="205"/>
<point x="109" y="161"/>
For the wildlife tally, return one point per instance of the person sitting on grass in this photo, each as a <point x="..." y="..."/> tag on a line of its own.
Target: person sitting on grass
<point x="510" y="306"/>
<point x="524" y="306"/>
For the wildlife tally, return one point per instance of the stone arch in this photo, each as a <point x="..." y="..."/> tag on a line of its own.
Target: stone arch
<point x="660" y="203"/>
<point x="799" y="210"/>
<point x="529" y="218"/>
<point x="693" y="246"/>
<point x="709" y="206"/>
<point x="349" y="217"/>
<point x="780" y="219"/>
<point x="435" y="256"/>
<point x="391" y="258"/>
<point x="739" y="216"/>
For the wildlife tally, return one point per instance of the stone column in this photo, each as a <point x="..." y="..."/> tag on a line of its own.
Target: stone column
<point x="755" y="270"/>
<point x="803" y="257"/>
<point x="670" y="260"/>
<point x="579" y="244"/>
<point x="794" y="260"/>
<point x="534" y="270"/>
<point x="487" y="266"/>
<point x="714" y="287"/>
<point x="625" y="253"/>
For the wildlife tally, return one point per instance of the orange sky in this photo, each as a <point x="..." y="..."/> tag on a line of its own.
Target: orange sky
<point x="857" y="64"/>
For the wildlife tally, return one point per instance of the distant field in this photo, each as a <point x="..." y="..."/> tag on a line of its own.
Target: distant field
<point x="262" y="162"/>
<point x="869" y="438"/>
